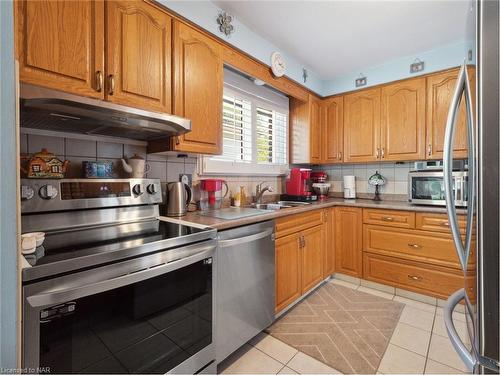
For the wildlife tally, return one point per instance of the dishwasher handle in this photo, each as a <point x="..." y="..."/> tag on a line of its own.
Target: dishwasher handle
<point x="251" y="238"/>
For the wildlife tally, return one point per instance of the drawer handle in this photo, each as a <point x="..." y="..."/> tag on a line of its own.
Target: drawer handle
<point x="387" y="218"/>
<point x="414" y="245"/>
<point x="445" y="224"/>
<point x="416" y="278"/>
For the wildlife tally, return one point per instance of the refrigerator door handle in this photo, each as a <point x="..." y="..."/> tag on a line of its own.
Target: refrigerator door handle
<point x="471" y="179"/>
<point x="457" y="343"/>
<point x="448" y="165"/>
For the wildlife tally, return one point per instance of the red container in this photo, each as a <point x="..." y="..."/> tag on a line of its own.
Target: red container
<point x="299" y="182"/>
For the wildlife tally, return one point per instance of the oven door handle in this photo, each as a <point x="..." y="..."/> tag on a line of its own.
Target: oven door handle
<point x="57" y="296"/>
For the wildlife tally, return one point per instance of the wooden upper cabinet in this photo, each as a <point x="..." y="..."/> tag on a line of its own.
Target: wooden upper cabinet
<point x="403" y="120"/>
<point x="312" y="257"/>
<point x="315" y="129"/>
<point x="60" y="44"/>
<point x="440" y="88"/>
<point x="362" y="126"/>
<point x="198" y="82"/>
<point x="139" y="55"/>
<point x="305" y="130"/>
<point x="332" y="130"/>
<point x="349" y="240"/>
<point x="288" y="270"/>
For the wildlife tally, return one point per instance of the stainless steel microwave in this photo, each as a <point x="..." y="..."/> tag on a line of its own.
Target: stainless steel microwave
<point x="427" y="187"/>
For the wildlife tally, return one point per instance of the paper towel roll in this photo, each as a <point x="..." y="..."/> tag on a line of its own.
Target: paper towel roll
<point x="349" y="187"/>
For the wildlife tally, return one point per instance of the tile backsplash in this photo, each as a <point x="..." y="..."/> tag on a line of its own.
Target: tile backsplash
<point x="164" y="167"/>
<point x="168" y="167"/>
<point x="395" y="174"/>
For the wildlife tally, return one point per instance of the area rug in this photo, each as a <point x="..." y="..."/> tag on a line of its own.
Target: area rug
<point x="341" y="327"/>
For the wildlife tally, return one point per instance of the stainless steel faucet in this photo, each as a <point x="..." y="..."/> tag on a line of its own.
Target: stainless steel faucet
<point x="259" y="191"/>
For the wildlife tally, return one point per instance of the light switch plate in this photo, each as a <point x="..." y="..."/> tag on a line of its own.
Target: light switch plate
<point x="186" y="178"/>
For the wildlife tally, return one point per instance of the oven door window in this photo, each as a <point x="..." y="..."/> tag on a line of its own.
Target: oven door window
<point x="428" y="188"/>
<point x="148" y="327"/>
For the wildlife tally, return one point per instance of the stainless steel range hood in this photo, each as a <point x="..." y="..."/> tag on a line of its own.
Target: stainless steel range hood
<point x="48" y="109"/>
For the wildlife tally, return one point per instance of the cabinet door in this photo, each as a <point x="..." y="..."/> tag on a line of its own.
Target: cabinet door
<point x="348" y="240"/>
<point x="198" y="80"/>
<point x="288" y="270"/>
<point x="329" y="247"/>
<point x="440" y="88"/>
<point x="312" y="257"/>
<point x="362" y="126"/>
<point x="139" y="55"/>
<point x="315" y="129"/>
<point x="403" y="120"/>
<point x="332" y="134"/>
<point x="60" y="44"/>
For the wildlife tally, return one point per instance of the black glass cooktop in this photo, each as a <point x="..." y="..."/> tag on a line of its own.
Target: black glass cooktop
<point x="100" y="241"/>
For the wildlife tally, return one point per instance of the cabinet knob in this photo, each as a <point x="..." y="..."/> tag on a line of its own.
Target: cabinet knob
<point x="416" y="278"/>
<point x="99" y="81"/>
<point x="111" y="81"/>
<point x="414" y="245"/>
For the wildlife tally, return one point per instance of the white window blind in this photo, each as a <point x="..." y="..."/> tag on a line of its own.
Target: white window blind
<point x="254" y="130"/>
<point x="236" y="129"/>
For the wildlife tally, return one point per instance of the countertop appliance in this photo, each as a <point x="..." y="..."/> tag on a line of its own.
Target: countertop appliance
<point x="178" y="197"/>
<point x="114" y="288"/>
<point x="298" y="186"/>
<point x="480" y="265"/>
<point x="49" y="109"/>
<point x="426" y="183"/>
<point x="245" y="285"/>
<point x="349" y="187"/>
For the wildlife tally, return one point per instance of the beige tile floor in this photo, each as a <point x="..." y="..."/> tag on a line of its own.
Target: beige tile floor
<point x="419" y="345"/>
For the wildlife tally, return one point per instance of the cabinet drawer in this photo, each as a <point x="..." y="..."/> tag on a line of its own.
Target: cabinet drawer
<point x="427" y="279"/>
<point x="437" y="222"/>
<point x="437" y="248"/>
<point x="391" y="218"/>
<point x="295" y="223"/>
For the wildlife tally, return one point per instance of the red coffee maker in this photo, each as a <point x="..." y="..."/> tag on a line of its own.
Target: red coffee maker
<point x="298" y="186"/>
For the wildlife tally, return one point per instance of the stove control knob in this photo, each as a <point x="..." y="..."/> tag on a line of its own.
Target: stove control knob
<point x="48" y="192"/>
<point x="27" y="192"/>
<point x="153" y="188"/>
<point x="137" y="189"/>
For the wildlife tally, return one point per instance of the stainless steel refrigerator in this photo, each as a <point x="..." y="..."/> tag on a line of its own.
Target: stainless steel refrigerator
<point x="478" y="247"/>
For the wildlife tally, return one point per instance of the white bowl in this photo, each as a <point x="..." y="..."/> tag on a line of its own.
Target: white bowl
<point x="40" y="237"/>
<point x="28" y="244"/>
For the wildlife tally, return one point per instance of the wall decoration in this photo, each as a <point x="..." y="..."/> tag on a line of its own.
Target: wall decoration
<point x="305" y="74"/>
<point x="417" y="66"/>
<point x="224" y="20"/>
<point x="361" y="81"/>
<point x="278" y="65"/>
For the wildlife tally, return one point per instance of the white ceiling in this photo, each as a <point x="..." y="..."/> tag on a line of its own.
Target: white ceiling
<point x="338" y="37"/>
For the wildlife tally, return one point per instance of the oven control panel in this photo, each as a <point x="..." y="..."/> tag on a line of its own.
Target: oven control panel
<point x="44" y="195"/>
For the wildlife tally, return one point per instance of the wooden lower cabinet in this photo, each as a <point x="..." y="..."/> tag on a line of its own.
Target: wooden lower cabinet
<point x="312" y="257"/>
<point x="288" y="270"/>
<point x="329" y="247"/>
<point x="300" y="253"/>
<point x="417" y="277"/>
<point x="349" y="240"/>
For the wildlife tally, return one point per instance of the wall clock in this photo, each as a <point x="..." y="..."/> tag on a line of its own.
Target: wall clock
<point x="278" y="65"/>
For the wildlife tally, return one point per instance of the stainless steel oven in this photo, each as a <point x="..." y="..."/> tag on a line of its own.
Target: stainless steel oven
<point x="115" y="289"/>
<point x="427" y="187"/>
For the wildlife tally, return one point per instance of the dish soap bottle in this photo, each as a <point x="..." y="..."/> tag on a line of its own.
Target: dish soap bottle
<point x="243" y="196"/>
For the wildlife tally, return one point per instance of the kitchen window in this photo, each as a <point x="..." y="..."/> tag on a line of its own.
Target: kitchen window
<point x="254" y="130"/>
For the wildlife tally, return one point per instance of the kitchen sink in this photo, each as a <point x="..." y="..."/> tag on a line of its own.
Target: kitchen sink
<point x="272" y="206"/>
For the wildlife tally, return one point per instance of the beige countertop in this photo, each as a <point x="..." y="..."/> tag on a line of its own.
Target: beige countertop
<point x="221" y="224"/>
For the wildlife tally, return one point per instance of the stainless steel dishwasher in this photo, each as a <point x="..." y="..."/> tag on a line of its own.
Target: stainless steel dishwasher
<point x="245" y="285"/>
